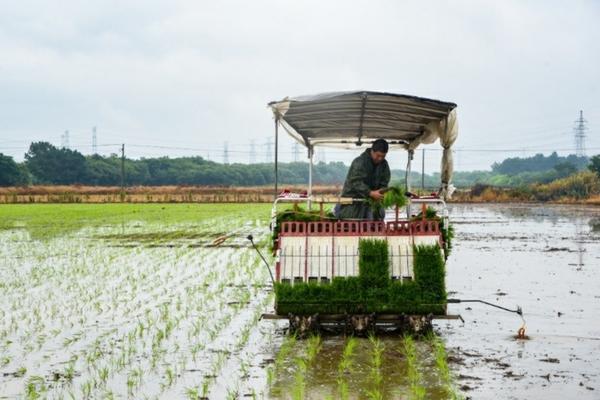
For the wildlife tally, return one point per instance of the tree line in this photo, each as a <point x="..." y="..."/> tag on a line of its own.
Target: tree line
<point x="46" y="164"/>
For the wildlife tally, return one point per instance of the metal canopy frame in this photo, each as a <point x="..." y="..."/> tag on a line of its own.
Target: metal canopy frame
<point x="353" y="120"/>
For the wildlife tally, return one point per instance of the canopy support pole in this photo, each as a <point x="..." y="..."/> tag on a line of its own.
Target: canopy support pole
<point x="423" y="171"/>
<point x="310" y="173"/>
<point x="276" y="154"/>
<point x="411" y="153"/>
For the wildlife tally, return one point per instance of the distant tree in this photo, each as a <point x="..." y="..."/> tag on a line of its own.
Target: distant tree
<point x="537" y="163"/>
<point x="49" y="164"/>
<point x="594" y="164"/>
<point x="11" y="173"/>
<point x="564" y="169"/>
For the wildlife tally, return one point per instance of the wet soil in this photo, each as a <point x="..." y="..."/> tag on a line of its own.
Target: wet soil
<point x="545" y="259"/>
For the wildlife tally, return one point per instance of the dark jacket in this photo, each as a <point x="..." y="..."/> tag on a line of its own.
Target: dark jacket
<point x="363" y="176"/>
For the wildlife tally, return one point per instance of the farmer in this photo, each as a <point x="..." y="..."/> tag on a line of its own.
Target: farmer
<point x="368" y="174"/>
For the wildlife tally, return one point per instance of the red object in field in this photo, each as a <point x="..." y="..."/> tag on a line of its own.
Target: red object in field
<point x="286" y="194"/>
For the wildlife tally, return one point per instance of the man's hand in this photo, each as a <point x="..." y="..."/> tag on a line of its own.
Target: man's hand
<point x="376" y="195"/>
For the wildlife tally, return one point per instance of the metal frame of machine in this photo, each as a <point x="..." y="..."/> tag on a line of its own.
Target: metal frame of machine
<point x="321" y="250"/>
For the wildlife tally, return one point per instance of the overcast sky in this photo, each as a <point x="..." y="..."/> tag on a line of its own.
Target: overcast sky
<point x="195" y="74"/>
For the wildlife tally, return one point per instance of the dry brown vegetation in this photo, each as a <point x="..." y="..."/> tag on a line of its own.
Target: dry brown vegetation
<point x="581" y="188"/>
<point x="148" y="194"/>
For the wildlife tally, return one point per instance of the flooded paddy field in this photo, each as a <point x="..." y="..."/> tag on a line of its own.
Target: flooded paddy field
<point x="163" y="301"/>
<point x="545" y="258"/>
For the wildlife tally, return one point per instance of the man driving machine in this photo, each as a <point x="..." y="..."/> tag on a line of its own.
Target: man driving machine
<point x="369" y="173"/>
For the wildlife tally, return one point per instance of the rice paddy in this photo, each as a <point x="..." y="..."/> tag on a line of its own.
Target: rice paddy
<point x="164" y="301"/>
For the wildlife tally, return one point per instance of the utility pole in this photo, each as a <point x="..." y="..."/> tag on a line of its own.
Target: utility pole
<point x="225" y="153"/>
<point x="94" y="141"/>
<point x="296" y="151"/>
<point x="122" y="171"/>
<point x="579" y="130"/>
<point x="252" y="152"/>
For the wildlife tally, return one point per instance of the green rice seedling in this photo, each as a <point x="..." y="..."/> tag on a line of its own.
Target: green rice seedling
<point x="377" y="349"/>
<point x="244" y="369"/>
<point x="35" y="387"/>
<point x="284" y="350"/>
<point x="302" y="364"/>
<point x="103" y="374"/>
<point x="233" y="394"/>
<point x="192" y="393"/>
<point x="299" y="379"/>
<point x="441" y="362"/>
<point x="205" y="387"/>
<point x="69" y="372"/>
<point x="345" y="366"/>
<point x="86" y="389"/>
<point x="372" y="290"/>
<point x="414" y="375"/>
<point x="393" y="197"/>
<point x="314" y="346"/>
<point x="169" y="376"/>
<point x="270" y="375"/>
<point x="196" y="348"/>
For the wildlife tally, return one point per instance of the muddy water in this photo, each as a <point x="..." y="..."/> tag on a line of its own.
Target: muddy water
<point x="547" y="260"/>
<point x="82" y="297"/>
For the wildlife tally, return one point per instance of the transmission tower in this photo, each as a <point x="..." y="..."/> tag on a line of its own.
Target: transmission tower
<point x="64" y="139"/>
<point x="579" y="130"/>
<point x="225" y="153"/>
<point x="296" y="151"/>
<point x="269" y="150"/>
<point x="252" y="152"/>
<point x="320" y="156"/>
<point x="94" y="141"/>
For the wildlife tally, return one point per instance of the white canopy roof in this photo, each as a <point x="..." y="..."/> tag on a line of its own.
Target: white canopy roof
<point x="357" y="118"/>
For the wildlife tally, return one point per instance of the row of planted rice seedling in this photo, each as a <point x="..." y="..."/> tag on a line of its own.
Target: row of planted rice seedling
<point x="85" y="315"/>
<point x="357" y="367"/>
